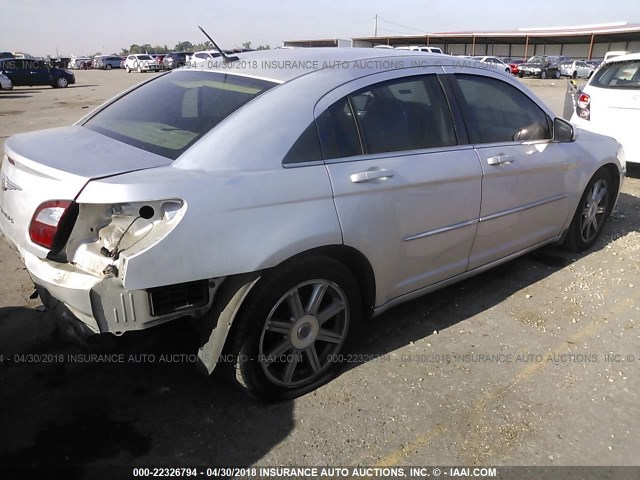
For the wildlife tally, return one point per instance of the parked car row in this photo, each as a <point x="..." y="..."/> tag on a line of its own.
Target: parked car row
<point x="543" y="66"/>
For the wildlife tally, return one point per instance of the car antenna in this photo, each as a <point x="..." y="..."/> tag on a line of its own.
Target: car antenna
<point x="225" y="58"/>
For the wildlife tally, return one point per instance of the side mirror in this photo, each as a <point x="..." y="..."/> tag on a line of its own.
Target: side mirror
<point x="563" y="131"/>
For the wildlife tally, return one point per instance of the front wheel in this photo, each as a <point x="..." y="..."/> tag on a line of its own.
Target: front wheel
<point x="108" y="67"/>
<point x="127" y="69"/>
<point x="593" y="210"/>
<point x="543" y="74"/>
<point x="291" y="331"/>
<point x="61" y="82"/>
<point x="557" y="74"/>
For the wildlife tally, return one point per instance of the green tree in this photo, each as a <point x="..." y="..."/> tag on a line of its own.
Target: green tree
<point x="184" y="47"/>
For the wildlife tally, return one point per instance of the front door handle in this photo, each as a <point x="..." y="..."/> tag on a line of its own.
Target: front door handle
<point x="500" y="159"/>
<point x="370" y="175"/>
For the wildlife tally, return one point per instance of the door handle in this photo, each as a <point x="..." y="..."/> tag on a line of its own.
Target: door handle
<point x="370" y="175"/>
<point x="500" y="159"/>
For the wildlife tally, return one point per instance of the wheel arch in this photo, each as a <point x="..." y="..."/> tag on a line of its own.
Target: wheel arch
<point x="612" y="170"/>
<point x="356" y="262"/>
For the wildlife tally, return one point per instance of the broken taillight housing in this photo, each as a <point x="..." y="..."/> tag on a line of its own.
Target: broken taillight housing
<point x="47" y="221"/>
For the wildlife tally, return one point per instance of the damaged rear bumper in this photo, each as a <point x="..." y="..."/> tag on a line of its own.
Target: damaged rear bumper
<point x="103" y="305"/>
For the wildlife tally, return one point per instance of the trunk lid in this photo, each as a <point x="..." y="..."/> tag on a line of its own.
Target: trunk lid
<point x="56" y="164"/>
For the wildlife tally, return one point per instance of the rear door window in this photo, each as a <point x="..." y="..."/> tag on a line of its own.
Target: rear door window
<point x="338" y="132"/>
<point x="193" y="103"/>
<point x="404" y="114"/>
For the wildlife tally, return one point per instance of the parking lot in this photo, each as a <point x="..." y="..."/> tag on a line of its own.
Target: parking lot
<point x="533" y="363"/>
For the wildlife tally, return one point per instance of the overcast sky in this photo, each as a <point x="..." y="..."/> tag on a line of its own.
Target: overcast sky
<point x="86" y="26"/>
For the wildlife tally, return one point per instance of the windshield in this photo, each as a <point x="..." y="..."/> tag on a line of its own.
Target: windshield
<point x="622" y="74"/>
<point x="537" y="59"/>
<point x="193" y="103"/>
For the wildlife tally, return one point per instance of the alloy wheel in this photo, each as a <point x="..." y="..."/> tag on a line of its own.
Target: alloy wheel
<point x="304" y="330"/>
<point x="594" y="210"/>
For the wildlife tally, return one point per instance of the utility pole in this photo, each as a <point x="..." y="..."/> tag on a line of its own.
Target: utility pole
<point x="375" y="28"/>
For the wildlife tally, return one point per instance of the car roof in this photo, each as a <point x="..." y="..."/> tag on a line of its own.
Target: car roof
<point x="619" y="58"/>
<point x="283" y="65"/>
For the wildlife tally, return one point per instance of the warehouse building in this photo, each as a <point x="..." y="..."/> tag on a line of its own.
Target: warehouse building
<point x="589" y="41"/>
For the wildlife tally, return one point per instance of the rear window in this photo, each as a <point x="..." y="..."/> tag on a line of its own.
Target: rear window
<point x="625" y="74"/>
<point x="169" y="114"/>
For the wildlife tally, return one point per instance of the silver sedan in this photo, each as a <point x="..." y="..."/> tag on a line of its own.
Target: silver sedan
<point x="576" y="69"/>
<point x="280" y="200"/>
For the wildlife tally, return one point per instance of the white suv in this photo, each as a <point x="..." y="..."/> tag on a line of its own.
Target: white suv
<point x="609" y="103"/>
<point x="421" y="48"/>
<point x="204" y="59"/>
<point x="141" y="63"/>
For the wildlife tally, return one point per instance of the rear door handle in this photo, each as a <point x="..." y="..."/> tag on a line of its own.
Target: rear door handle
<point x="370" y="175"/>
<point x="500" y="159"/>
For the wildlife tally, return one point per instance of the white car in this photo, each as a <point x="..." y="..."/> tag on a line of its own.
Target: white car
<point x="494" y="62"/>
<point x="78" y="62"/>
<point x="277" y="209"/>
<point x="615" y="53"/>
<point x="141" y="63"/>
<point x="576" y="69"/>
<point x="204" y="59"/>
<point x="610" y="103"/>
<point x="5" y="82"/>
<point x="421" y="48"/>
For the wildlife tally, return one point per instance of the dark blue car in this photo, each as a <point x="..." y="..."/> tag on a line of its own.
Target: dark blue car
<point x="29" y="72"/>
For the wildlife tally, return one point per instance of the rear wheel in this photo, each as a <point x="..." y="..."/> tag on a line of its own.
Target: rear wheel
<point x="543" y="74"/>
<point x="557" y="74"/>
<point x="574" y="75"/>
<point x="108" y="67"/>
<point x="293" y="327"/>
<point x="139" y="69"/>
<point x="593" y="210"/>
<point x="127" y="69"/>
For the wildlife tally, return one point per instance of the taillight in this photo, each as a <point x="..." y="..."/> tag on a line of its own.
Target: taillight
<point x="583" y="106"/>
<point x="584" y="100"/>
<point x="46" y="222"/>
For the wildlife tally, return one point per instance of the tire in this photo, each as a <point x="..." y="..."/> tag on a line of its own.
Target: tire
<point x="593" y="210"/>
<point x="139" y="69"/>
<point x="590" y="74"/>
<point x="557" y="74"/>
<point x="275" y="344"/>
<point x="574" y="75"/>
<point x="543" y="74"/>
<point x="127" y="69"/>
<point x="107" y="67"/>
<point x="520" y="75"/>
<point x="61" y="82"/>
